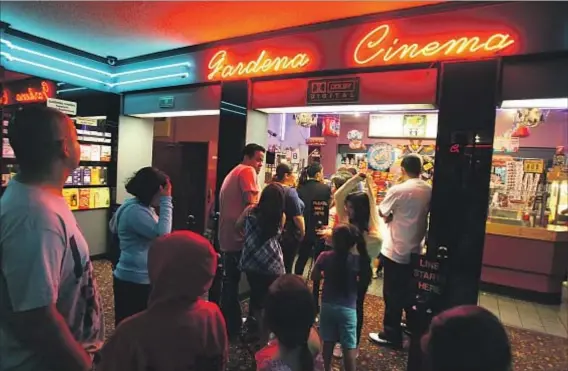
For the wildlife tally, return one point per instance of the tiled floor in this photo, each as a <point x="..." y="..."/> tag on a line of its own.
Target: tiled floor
<point x="548" y="319"/>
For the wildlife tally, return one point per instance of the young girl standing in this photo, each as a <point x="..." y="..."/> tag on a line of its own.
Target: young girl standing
<point x="344" y="269"/>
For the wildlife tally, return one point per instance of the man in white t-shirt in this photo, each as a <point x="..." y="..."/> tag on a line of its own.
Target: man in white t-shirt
<point x="405" y="210"/>
<point x="50" y="310"/>
<point x="239" y="190"/>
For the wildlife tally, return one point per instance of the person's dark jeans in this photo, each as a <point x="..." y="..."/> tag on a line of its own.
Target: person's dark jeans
<point x="361" y="293"/>
<point x="396" y="287"/>
<point x="304" y="254"/>
<point x="230" y="306"/>
<point x="290" y="245"/>
<point x="129" y="299"/>
<point x="259" y="284"/>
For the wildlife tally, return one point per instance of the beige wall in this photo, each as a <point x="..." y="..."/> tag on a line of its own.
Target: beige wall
<point x="135" y="141"/>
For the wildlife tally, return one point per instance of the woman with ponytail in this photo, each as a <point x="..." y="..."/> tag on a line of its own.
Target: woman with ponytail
<point x="344" y="269"/>
<point x="289" y="313"/>
<point x="358" y="209"/>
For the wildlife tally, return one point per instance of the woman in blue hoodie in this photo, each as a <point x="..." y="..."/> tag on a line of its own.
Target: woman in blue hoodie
<point x="137" y="224"/>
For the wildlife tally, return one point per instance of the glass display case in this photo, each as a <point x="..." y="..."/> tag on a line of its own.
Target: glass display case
<point x="558" y="196"/>
<point x="517" y="191"/>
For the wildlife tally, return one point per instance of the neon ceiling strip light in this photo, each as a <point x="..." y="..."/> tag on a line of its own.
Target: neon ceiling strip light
<point x="182" y="75"/>
<point x="230" y="110"/>
<point x="69" y="90"/>
<point x="10" y="57"/>
<point x="184" y="64"/>
<point x="12" y="46"/>
<point x="233" y="105"/>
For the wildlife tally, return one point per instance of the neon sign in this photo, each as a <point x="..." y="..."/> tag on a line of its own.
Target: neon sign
<point x="221" y="69"/>
<point x="4" y="98"/>
<point x="34" y="95"/>
<point x="380" y="46"/>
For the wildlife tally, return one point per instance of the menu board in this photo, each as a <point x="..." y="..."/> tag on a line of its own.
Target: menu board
<point x="422" y="126"/>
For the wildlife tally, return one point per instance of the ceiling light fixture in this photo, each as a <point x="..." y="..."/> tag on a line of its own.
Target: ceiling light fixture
<point x="552" y="103"/>
<point x="350" y="108"/>
<point x="233" y="111"/>
<point x="178" y="114"/>
<point x="233" y="105"/>
<point x="12" y="46"/>
<point x="11" y="58"/>
<point x="181" y="75"/>
<point x="70" y="90"/>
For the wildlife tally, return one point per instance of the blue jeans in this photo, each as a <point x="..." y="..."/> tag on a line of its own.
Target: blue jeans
<point x="230" y="305"/>
<point x="339" y="324"/>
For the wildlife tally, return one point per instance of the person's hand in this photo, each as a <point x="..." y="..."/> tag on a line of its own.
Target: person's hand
<point x="166" y="190"/>
<point x="324" y="232"/>
<point x="362" y="175"/>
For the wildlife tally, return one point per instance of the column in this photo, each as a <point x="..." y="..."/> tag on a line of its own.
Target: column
<point x="232" y="129"/>
<point x="466" y="125"/>
<point x="467" y="97"/>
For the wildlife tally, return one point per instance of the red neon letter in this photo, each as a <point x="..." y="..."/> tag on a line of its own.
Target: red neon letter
<point x="379" y="46"/>
<point x="221" y="69"/>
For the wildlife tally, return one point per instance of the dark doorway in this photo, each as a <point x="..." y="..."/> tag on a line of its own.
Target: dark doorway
<point x="186" y="164"/>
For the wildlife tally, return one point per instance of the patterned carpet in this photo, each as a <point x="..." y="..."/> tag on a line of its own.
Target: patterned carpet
<point x="531" y="350"/>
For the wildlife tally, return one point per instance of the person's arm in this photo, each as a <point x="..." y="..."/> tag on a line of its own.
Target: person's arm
<point x="31" y="268"/>
<point x="374" y="217"/>
<point x="141" y="220"/>
<point x="388" y="206"/>
<point x="249" y="186"/>
<point x="319" y="267"/>
<point x="301" y="225"/>
<point x="239" y="225"/>
<point x="341" y="194"/>
<point x="298" y="209"/>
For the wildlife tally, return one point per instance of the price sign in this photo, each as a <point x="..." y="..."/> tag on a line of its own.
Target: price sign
<point x="535" y="166"/>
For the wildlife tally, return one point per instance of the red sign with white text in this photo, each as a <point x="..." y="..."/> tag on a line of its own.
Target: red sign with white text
<point x="28" y="91"/>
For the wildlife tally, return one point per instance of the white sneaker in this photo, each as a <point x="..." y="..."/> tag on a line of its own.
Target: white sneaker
<point x="338" y="351"/>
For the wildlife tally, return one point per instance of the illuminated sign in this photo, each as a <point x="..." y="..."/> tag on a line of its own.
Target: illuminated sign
<point x="28" y="91"/>
<point x="34" y="95"/>
<point x="220" y="68"/>
<point x="380" y="46"/>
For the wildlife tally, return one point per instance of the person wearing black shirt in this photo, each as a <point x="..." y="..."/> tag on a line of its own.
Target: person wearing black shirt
<point x="294" y="229"/>
<point x="317" y="199"/>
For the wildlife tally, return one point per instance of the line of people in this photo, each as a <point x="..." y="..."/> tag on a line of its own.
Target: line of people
<point x="51" y="310"/>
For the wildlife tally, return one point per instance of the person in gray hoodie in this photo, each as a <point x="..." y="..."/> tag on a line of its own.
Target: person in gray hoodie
<point x="136" y="224"/>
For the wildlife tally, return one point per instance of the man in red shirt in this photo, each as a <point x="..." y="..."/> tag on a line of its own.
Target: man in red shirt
<point x="239" y="190"/>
